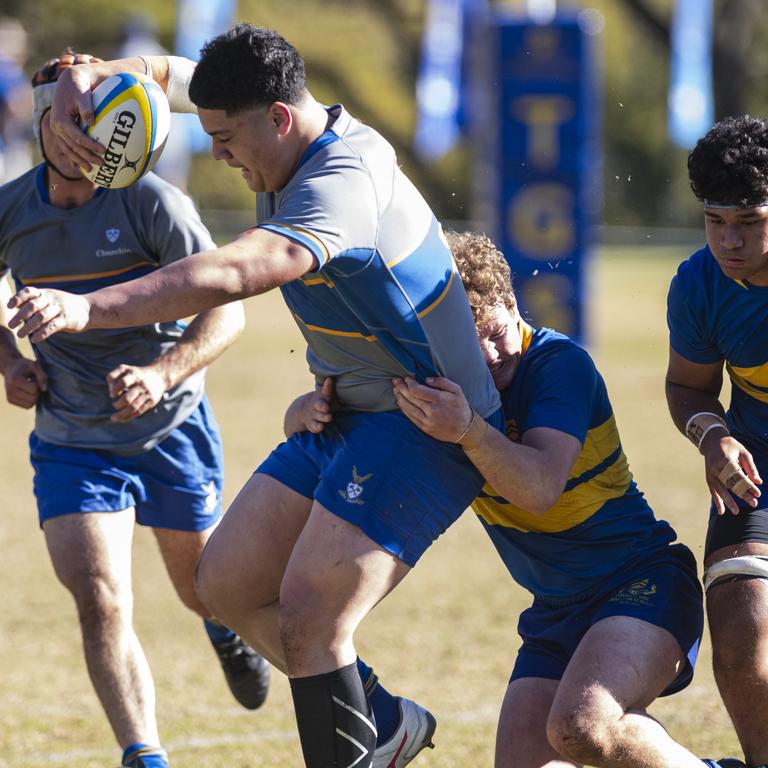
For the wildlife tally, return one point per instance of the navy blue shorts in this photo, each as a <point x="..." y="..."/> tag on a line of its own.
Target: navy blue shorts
<point x="664" y="591"/>
<point x="381" y="473"/>
<point x="177" y="484"/>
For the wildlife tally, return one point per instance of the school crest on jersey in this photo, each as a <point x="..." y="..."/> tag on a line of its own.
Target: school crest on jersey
<point x="355" y="489"/>
<point x="211" y="496"/>
<point x="112" y="234"/>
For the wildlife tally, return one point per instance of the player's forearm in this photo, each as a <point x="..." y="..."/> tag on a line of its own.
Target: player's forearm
<point x="159" y="66"/>
<point x="100" y="71"/>
<point x="519" y="473"/>
<point x="172" y="74"/>
<point x="684" y="402"/>
<point x="203" y="341"/>
<point x="186" y="287"/>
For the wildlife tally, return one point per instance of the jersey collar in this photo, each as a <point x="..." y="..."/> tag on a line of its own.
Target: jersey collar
<point x="328" y="136"/>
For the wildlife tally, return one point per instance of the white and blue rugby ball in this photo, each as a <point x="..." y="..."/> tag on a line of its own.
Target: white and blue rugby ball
<point x="131" y="120"/>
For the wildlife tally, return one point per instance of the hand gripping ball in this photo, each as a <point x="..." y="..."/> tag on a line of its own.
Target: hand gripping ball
<point x="131" y="120"/>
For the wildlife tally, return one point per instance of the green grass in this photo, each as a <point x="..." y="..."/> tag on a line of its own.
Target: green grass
<point x="446" y="637"/>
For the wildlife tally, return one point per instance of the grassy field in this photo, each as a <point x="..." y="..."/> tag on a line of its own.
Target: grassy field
<point x="446" y="637"/>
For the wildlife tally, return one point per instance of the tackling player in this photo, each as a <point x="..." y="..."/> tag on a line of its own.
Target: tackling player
<point x="326" y="527"/>
<point x="617" y="616"/>
<point x="123" y="429"/>
<point x="718" y="316"/>
<point x="617" y="613"/>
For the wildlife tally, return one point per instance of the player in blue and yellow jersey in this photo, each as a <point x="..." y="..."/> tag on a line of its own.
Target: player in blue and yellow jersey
<point x="123" y="432"/>
<point x="718" y="317"/>
<point x="617" y="615"/>
<point x="330" y="523"/>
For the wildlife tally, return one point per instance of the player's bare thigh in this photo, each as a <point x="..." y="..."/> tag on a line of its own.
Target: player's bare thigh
<point x="246" y="555"/>
<point x="92" y="550"/>
<point x="621" y="664"/>
<point x="737" y="610"/>
<point x="737" y="550"/>
<point x="335" y="576"/>
<point x="724" y="596"/>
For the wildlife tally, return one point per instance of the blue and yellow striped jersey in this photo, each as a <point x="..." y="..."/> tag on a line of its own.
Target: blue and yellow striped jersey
<point x="602" y="523"/>
<point x="712" y="319"/>
<point x="386" y="300"/>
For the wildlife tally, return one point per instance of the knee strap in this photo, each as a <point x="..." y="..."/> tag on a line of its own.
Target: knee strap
<point x="746" y="565"/>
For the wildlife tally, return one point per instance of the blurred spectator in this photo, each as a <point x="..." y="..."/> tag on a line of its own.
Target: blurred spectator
<point x="15" y="102"/>
<point x="140" y="38"/>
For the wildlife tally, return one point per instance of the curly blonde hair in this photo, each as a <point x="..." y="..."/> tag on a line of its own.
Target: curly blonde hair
<point x="484" y="271"/>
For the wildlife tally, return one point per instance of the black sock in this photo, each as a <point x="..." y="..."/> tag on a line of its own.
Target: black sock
<point x="334" y="718"/>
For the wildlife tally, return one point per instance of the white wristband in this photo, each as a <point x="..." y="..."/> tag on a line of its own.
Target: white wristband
<point x="147" y="66"/>
<point x="707" y="429"/>
<point x="180" y="71"/>
<point x="697" y="427"/>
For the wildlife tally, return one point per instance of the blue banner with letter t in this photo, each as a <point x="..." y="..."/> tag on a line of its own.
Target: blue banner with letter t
<point x="539" y="161"/>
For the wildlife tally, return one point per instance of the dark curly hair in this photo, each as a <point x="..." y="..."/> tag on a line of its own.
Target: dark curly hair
<point x="245" y="68"/>
<point x="729" y="164"/>
<point x="484" y="271"/>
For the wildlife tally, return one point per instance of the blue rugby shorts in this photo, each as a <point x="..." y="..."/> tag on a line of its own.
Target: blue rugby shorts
<point x="381" y="473"/>
<point x="664" y="591"/>
<point x="177" y="484"/>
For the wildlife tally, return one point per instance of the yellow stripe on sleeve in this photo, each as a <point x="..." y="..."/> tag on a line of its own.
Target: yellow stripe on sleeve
<point x="331" y="332"/>
<point x="314" y="238"/>
<point x="439" y="299"/>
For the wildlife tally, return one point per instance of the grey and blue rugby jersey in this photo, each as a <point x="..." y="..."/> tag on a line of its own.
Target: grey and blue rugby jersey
<point x="386" y="299"/>
<point x="116" y="236"/>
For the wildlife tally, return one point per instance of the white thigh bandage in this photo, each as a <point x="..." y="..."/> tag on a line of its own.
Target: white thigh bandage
<point x="180" y="71"/>
<point x="746" y="565"/>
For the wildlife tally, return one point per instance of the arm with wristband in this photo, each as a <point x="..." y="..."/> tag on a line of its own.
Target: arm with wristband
<point x="72" y="105"/>
<point x="693" y="391"/>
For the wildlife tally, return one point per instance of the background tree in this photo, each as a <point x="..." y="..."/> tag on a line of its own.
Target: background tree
<point x="740" y="64"/>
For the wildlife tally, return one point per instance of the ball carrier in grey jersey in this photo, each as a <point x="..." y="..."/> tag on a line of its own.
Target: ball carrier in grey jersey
<point x="298" y="561"/>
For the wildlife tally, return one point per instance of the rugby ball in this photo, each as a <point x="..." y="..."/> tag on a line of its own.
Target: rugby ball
<point x="131" y="120"/>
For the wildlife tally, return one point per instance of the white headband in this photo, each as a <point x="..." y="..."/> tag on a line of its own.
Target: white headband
<point x="713" y="204"/>
<point x="42" y="98"/>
